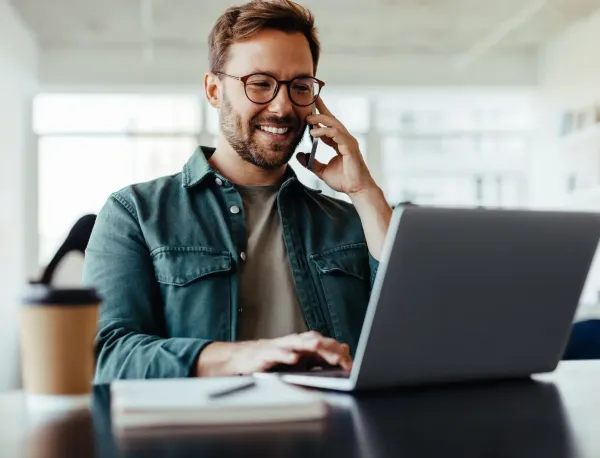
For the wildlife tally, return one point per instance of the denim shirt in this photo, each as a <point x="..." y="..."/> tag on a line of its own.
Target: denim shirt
<point x="165" y="255"/>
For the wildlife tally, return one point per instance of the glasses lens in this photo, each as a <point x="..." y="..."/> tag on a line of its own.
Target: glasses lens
<point x="304" y="91"/>
<point x="260" y="88"/>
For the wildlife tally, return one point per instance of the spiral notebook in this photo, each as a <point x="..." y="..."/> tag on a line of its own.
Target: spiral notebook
<point x="183" y="402"/>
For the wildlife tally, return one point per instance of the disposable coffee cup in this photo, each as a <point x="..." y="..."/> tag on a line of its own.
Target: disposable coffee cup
<point x="57" y="332"/>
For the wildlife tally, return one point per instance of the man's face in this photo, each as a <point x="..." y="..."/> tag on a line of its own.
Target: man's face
<point x="244" y="123"/>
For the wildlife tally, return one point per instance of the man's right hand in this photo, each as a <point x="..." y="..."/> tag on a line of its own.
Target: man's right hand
<point x="245" y="358"/>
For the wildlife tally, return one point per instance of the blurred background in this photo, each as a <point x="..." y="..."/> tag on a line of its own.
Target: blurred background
<point x="454" y="102"/>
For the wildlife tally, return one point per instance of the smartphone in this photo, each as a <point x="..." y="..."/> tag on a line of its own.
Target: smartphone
<point x="313" y="150"/>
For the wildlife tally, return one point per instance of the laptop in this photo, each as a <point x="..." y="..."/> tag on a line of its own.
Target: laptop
<point x="467" y="295"/>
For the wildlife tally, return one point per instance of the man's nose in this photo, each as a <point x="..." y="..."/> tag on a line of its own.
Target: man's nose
<point x="281" y="104"/>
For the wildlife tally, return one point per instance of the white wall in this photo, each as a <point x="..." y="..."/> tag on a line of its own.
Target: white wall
<point x="569" y="72"/>
<point x="569" y="78"/>
<point x="18" y="63"/>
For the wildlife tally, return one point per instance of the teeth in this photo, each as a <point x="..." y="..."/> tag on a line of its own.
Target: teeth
<point x="274" y="130"/>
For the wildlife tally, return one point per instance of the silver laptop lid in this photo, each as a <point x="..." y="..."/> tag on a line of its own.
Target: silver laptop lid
<point x="467" y="294"/>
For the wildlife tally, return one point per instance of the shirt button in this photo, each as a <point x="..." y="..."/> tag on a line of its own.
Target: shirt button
<point x="243" y="255"/>
<point x="219" y="182"/>
<point x="234" y="209"/>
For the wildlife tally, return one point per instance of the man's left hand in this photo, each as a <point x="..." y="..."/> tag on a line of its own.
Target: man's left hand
<point x="347" y="172"/>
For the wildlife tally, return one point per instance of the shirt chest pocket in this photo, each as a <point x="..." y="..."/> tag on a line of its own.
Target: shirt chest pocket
<point x="195" y="284"/>
<point x="344" y="278"/>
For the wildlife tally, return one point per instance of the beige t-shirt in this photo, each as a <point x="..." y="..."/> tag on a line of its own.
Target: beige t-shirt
<point x="268" y="296"/>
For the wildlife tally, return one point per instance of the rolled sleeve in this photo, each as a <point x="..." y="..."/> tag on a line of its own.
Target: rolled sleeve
<point x="373" y="266"/>
<point x="131" y="340"/>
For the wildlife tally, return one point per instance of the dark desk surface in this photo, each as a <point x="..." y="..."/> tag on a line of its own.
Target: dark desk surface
<point x="555" y="416"/>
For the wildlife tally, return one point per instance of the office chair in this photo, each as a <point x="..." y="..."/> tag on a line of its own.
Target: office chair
<point x="76" y="241"/>
<point x="584" y="342"/>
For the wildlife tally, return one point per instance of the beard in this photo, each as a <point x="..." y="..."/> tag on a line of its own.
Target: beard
<point x="241" y="136"/>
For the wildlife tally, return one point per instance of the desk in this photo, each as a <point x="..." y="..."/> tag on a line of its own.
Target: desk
<point x="555" y="416"/>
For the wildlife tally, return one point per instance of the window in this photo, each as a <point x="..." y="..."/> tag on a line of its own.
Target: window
<point x="455" y="147"/>
<point x="118" y="114"/>
<point x="430" y="146"/>
<point x="91" y="145"/>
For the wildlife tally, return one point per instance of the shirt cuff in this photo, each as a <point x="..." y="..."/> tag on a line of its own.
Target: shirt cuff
<point x="373" y="266"/>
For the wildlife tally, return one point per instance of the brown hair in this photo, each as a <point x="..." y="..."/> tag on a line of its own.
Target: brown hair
<point x="242" y="22"/>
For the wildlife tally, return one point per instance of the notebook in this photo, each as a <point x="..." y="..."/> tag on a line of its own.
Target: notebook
<point x="182" y="402"/>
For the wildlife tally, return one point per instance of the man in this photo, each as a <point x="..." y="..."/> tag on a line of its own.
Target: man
<point x="233" y="266"/>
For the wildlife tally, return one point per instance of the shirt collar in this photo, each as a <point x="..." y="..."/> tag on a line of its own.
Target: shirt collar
<point x="197" y="169"/>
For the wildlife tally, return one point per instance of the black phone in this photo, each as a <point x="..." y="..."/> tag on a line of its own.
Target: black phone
<point x="313" y="150"/>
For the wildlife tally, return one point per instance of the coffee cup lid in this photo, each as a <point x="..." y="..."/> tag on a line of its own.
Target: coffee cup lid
<point x="42" y="294"/>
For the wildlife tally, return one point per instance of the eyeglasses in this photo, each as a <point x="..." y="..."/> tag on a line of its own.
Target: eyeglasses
<point x="261" y="88"/>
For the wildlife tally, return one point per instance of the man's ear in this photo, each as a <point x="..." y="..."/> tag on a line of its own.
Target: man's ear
<point x="212" y="89"/>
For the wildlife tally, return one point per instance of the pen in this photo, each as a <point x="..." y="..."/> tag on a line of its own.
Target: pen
<point x="232" y="389"/>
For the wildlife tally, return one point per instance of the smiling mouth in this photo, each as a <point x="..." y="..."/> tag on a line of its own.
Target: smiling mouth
<point x="274" y="130"/>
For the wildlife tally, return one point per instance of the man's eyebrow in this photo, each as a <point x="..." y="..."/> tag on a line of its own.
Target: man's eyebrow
<point x="271" y="73"/>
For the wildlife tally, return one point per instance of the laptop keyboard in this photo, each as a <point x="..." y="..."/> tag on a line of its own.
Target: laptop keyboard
<point x="329" y="373"/>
